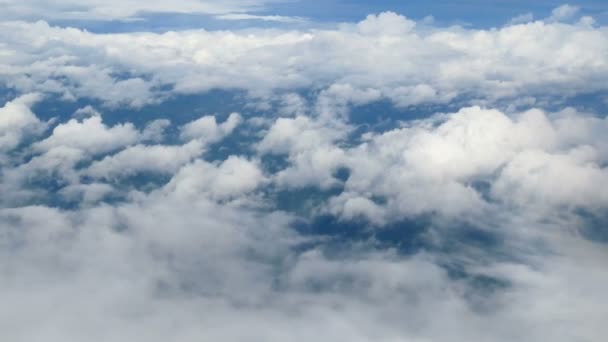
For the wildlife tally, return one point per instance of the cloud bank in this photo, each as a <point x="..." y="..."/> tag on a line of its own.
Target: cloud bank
<point x="388" y="54"/>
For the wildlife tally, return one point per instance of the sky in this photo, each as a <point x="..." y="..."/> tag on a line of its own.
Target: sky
<point x="281" y="170"/>
<point x="133" y="16"/>
<point x="466" y="12"/>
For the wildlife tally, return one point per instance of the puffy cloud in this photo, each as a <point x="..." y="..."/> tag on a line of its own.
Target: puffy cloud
<point x="207" y="129"/>
<point x="90" y="135"/>
<point x="310" y="147"/>
<point x="142" y="158"/>
<point x="450" y="163"/>
<point x="536" y="178"/>
<point x="164" y="159"/>
<point x="155" y="130"/>
<point x="388" y="23"/>
<point x="17" y="122"/>
<point x="385" y="55"/>
<point x="352" y="206"/>
<point x="154" y="263"/>
<point x="232" y="178"/>
<point x="297" y="134"/>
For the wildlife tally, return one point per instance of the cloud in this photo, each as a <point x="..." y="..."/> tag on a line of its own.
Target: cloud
<point x="141" y="158"/>
<point x="231" y="179"/>
<point x="563" y="12"/>
<point x="530" y="180"/>
<point x="206" y="128"/>
<point x="436" y="165"/>
<point x="385" y="55"/>
<point x="522" y="19"/>
<point x="121" y="10"/>
<point x="155" y="130"/>
<point x="387" y="23"/>
<point x="90" y="135"/>
<point x="86" y="193"/>
<point x="155" y="261"/>
<point x="477" y="223"/>
<point x="186" y="257"/>
<point x="17" y="122"/>
<point x="310" y="149"/>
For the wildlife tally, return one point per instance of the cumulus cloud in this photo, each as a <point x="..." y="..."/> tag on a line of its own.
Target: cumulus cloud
<point x="567" y="179"/>
<point x="437" y="165"/>
<point x="232" y="178"/>
<point x="90" y="135"/>
<point x="207" y="129"/>
<point x="142" y="158"/>
<point x="387" y="23"/>
<point x="384" y="55"/>
<point x="17" y="122"/>
<point x="211" y="238"/>
<point x="309" y="145"/>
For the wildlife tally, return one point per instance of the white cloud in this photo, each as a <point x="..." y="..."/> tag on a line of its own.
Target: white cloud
<point x="536" y="178"/>
<point x="142" y="158"/>
<point x="156" y="263"/>
<point x="189" y="276"/>
<point x="388" y="23"/>
<point x="207" y="129"/>
<point x="382" y="56"/>
<point x="309" y="145"/>
<point x="17" y="122"/>
<point x="352" y="206"/>
<point x="297" y="134"/>
<point x="231" y="179"/>
<point x="90" y="135"/>
<point x="86" y="193"/>
<point x="434" y="165"/>
<point x="293" y="104"/>
<point x="155" y="130"/>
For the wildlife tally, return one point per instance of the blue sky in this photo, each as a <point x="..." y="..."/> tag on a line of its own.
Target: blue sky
<point x="476" y="13"/>
<point x="481" y="14"/>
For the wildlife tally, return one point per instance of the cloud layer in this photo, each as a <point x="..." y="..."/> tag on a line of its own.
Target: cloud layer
<point x="386" y="55"/>
<point x="294" y="218"/>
